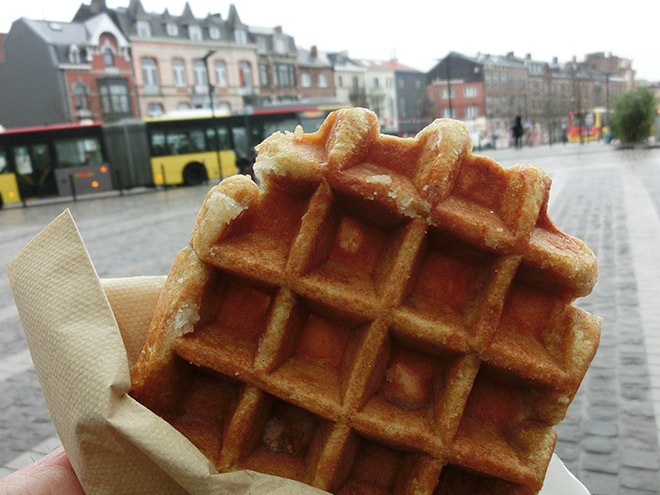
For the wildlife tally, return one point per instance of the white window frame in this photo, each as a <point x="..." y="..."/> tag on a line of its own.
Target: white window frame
<point x="179" y="69"/>
<point x="214" y="32"/>
<point x="470" y="92"/>
<point x="472" y="112"/>
<point x="220" y="68"/>
<point x="195" y="32"/>
<point x="446" y="93"/>
<point x="201" y="76"/>
<point x="143" y="29"/>
<point x="172" y="29"/>
<point x="240" y="36"/>
<point x="150" y="72"/>
<point x="305" y="80"/>
<point x="323" y="81"/>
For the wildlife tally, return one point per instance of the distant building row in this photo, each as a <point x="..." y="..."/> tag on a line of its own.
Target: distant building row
<point x="109" y="64"/>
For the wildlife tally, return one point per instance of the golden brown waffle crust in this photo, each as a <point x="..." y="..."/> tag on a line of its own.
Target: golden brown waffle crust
<point x="366" y="254"/>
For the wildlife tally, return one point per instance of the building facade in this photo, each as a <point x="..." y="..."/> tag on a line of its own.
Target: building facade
<point x="183" y="62"/>
<point x="58" y="72"/>
<point x="412" y="102"/>
<point x="315" y="74"/>
<point x="350" y="85"/>
<point x="277" y="64"/>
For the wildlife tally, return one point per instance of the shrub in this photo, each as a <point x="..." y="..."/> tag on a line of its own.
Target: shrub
<point x="634" y="112"/>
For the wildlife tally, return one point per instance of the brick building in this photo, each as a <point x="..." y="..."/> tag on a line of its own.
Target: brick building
<point x="174" y="57"/>
<point x="58" y="72"/>
<point x="315" y="74"/>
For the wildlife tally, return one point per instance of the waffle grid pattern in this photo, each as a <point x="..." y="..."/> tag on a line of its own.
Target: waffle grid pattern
<point x="390" y="337"/>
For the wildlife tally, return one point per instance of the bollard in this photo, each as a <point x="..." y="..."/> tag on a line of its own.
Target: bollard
<point x="73" y="187"/>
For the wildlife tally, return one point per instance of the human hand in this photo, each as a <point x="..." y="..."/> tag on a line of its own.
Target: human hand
<point x="51" y="475"/>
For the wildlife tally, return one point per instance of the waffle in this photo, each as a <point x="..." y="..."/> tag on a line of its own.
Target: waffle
<point x="384" y="315"/>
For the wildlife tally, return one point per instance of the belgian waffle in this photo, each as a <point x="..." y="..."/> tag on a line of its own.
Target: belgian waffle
<point x="384" y="315"/>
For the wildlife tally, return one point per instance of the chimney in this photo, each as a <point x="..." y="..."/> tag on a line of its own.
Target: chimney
<point x="555" y="61"/>
<point x="314" y="52"/>
<point x="278" y="29"/>
<point x="528" y="56"/>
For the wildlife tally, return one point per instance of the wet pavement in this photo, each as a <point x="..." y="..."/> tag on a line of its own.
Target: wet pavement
<point x="610" y="198"/>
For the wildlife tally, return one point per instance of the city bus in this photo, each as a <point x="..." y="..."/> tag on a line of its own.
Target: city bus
<point x="588" y="126"/>
<point x="178" y="149"/>
<point x="191" y="147"/>
<point x="43" y="161"/>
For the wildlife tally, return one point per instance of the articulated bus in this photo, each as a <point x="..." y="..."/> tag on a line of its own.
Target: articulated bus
<point x="73" y="159"/>
<point x="588" y="126"/>
<point x="191" y="147"/>
<point x="52" y="160"/>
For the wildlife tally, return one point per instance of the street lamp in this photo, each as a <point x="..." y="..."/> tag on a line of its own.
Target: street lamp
<point x="205" y="58"/>
<point x="451" y="112"/>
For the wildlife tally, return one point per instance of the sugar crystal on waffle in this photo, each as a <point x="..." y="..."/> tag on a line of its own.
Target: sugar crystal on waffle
<point x="384" y="315"/>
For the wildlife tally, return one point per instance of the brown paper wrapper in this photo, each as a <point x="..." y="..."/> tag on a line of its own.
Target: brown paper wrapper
<point x="84" y="334"/>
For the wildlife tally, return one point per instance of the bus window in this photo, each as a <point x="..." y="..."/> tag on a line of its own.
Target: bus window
<point x="241" y="144"/>
<point x="77" y="152"/>
<point x="158" y="144"/>
<point x="223" y="138"/>
<point x="22" y="160"/>
<point x="3" y="162"/>
<point x="181" y="142"/>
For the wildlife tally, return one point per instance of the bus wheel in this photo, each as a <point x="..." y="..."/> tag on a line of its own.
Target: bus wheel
<point x="194" y="174"/>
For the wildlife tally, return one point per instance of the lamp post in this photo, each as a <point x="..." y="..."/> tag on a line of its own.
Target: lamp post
<point x="451" y="111"/>
<point x="205" y="58"/>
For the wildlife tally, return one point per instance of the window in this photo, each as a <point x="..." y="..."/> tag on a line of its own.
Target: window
<point x="179" y="72"/>
<point x="108" y="57"/>
<point x="114" y="97"/>
<point x="199" y="67"/>
<point x="4" y="167"/>
<point x="469" y="92"/>
<point x="305" y="80"/>
<point x="143" y="29"/>
<point x="172" y="29"/>
<point x="447" y="93"/>
<point x="472" y="112"/>
<point x="285" y="77"/>
<point x="155" y="109"/>
<point x="150" y="72"/>
<point x="224" y="107"/>
<point x="263" y="75"/>
<point x="340" y="81"/>
<point x="280" y="45"/>
<point x="214" y="33"/>
<point x="240" y="36"/>
<point x="245" y="74"/>
<point x="221" y="74"/>
<point x="376" y="82"/>
<point x="74" y="54"/>
<point x="80" y="94"/>
<point x="323" y="81"/>
<point x="184" y="105"/>
<point x="262" y="46"/>
<point x="77" y="152"/>
<point x="195" y="32"/>
<point x="448" y="114"/>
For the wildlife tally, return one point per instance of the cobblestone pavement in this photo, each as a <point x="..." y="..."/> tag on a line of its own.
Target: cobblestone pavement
<point x="608" y="197"/>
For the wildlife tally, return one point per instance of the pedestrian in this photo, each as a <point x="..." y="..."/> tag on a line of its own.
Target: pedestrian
<point x="517" y="132"/>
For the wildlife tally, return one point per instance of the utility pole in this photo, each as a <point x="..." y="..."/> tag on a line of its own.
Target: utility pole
<point x="451" y="111"/>
<point x="205" y="58"/>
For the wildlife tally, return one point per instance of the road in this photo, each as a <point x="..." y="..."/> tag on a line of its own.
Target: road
<point x="610" y="198"/>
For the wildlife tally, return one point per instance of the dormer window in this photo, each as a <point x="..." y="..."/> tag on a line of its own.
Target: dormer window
<point x="172" y="29"/>
<point x="214" y="33"/>
<point x="143" y="29"/>
<point x="262" y="46"/>
<point x="195" y="32"/>
<point x="280" y="45"/>
<point x="108" y="57"/>
<point x="240" y="35"/>
<point x="74" y="54"/>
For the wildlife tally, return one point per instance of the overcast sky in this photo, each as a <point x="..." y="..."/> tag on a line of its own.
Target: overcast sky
<point x="418" y="32"/>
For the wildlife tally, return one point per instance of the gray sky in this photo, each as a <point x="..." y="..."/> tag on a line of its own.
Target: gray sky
<point x="427" y="29"/>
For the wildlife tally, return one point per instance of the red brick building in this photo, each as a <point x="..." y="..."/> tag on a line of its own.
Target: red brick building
<point x="57" y="72"/>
